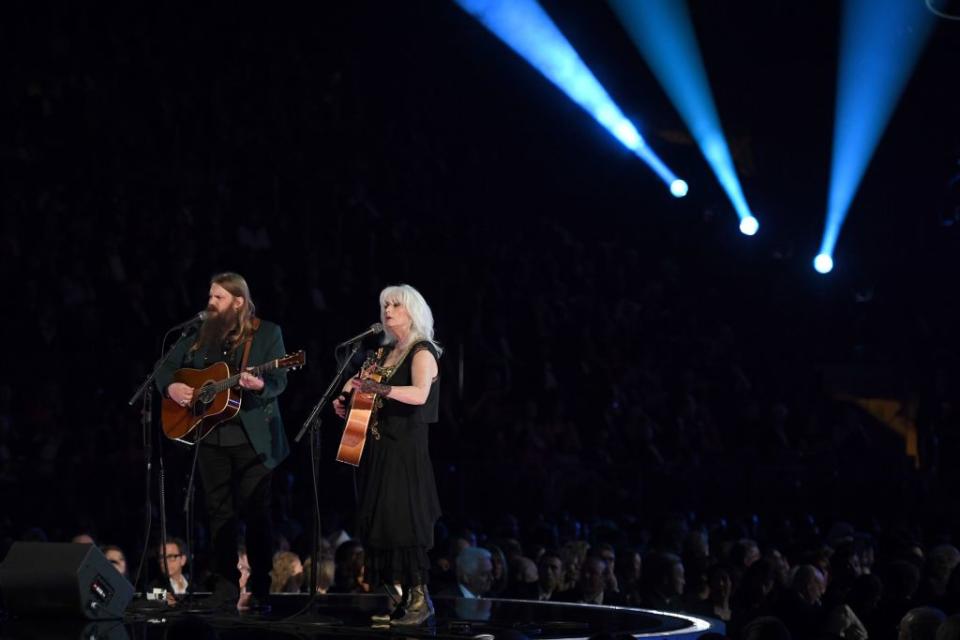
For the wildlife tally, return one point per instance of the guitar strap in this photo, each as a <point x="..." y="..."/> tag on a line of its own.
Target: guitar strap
<point x="248" y="343"/>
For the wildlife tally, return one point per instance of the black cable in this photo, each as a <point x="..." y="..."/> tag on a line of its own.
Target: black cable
<point x="190" y="515"/>
<point x="147" y="423"/>
<point x="146" y="418"/>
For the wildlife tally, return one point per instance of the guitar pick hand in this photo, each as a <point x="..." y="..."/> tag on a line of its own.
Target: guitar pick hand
<point x="180" y="393"/>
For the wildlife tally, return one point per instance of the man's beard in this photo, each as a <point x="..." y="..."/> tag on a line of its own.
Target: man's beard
<point x="216" y="327"/>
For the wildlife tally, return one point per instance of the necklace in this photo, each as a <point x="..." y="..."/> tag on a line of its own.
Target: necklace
<point x="387" y="371"/>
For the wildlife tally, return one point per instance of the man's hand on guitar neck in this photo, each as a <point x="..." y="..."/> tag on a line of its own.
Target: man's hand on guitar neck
<point x="180" y="393"/>
<point x="250" y="382"/>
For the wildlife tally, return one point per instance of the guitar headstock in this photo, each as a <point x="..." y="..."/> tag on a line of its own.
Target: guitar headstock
<point x="293" y="360"/>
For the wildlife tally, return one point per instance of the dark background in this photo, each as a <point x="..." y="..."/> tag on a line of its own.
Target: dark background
<point x="146" y="148"/>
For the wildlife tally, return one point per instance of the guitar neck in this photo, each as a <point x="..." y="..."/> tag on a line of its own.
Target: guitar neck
<point x="232" y="381"/>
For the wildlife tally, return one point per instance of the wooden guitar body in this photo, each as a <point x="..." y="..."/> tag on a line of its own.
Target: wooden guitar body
<point x="207" y="410"/>
<point x="216" y="397"/>
<point x="362" y="406"/>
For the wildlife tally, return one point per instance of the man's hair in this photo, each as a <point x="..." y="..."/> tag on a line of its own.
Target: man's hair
<point x="237" y="286"/>
<point x="470" y="559"/>
<point x="803" y="576"/>
<point x="181" y="545"/>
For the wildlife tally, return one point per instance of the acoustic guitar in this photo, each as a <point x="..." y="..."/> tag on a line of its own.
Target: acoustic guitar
<point x="216" y="397"/>
<point x="354" y="438"/>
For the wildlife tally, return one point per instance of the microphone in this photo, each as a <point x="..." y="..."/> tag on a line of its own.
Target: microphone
<point x="199" y="317"/>
<point x="374" y="329"/>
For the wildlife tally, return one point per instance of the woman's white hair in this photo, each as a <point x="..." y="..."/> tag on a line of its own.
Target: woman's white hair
<point x="421" y="317"/>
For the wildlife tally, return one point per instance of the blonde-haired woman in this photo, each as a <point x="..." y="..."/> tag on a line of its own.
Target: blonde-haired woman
<point x="287" y="574"/>
<point x="398" y="494"/>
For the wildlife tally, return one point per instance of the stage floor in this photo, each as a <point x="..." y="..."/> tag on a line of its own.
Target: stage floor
<point x="346" y="616"/>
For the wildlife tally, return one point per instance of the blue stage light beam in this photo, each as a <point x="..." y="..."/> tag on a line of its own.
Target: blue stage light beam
<point x="663" y="33"/>
<point x="527" y="29"/>
<point x="881" y="41"/>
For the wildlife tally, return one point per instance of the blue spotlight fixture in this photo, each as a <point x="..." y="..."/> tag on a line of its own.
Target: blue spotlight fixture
<point x="880" y="43"/>
<point x="663" y="33"/>
<point x="749" y="226"/>
<point x="823" y="263"/>
<point x="526" y="28"/>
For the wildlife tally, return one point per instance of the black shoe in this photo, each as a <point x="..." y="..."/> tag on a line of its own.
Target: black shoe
<point x="396" y="608"/>
<point x="419" y="609"/>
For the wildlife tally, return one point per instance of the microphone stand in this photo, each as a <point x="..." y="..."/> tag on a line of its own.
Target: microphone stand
<point x="312" y="423"/>
<point x="147" y="420"/>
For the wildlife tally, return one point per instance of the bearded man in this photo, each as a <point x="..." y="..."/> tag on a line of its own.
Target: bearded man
<point x="237" y="458"/>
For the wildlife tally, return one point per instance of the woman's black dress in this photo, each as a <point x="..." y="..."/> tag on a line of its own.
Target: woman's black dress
<point x="398" y="493"/>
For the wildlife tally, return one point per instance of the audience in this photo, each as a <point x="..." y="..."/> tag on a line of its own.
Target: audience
<point x="474" y="574"/>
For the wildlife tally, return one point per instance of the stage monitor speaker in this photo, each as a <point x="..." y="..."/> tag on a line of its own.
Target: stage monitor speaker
<point x="62" y="580"/>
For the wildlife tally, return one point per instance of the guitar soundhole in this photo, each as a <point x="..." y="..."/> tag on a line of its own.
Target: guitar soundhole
<point x="205" y="397"/>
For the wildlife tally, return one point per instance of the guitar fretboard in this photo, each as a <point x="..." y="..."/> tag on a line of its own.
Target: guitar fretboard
<point x="232" y="381"/>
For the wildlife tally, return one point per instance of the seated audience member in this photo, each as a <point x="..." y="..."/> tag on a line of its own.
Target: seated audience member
<point x="697" y="587"/>
<point x="864" y="596"/>
<point x="523" y="580"/>
<point x="549" y="576"/>
<point x="901" y="579"/>
<point x="717" y="603"/>
<point x="591" y="587"/>
<point x="939" y="564"/>
<point x="844" y="570"/>
<point x="327" y="569"/>
<point x="752" y="597"/>
<point x="781" y="567"/>
<point x="172" y="559"/>
<point x="609" y="555"/>
<point x="114" y="554"/>
<point x="573" y="554"/>
<point x="743" y="554"/>
<point x="474" y="574"/>
<point x="501" y="574"/>
<point x="663" y="582"/>
<point x="348" y="574"/>
<point x="921" y="623"/>
<point x="801" y="607"/>
<point x="629" y="568"/>
<point x="287" y="574"/>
